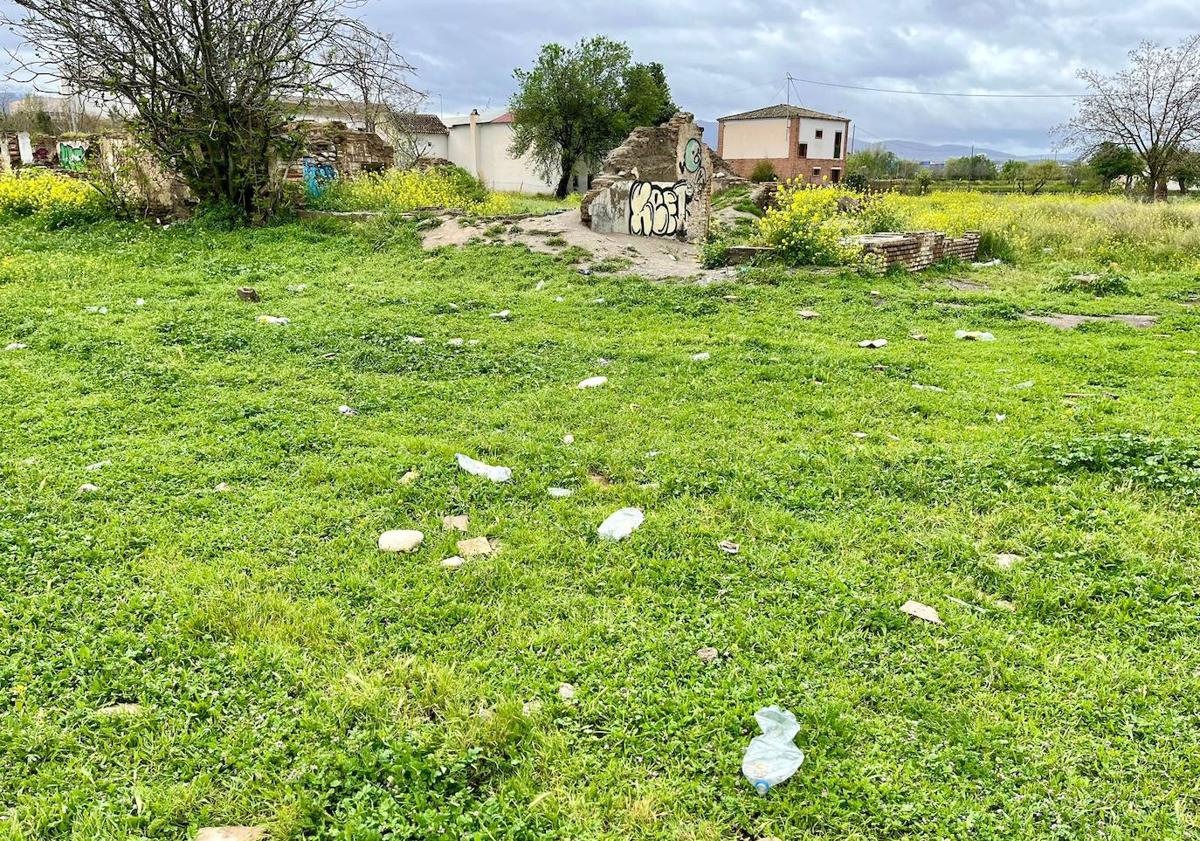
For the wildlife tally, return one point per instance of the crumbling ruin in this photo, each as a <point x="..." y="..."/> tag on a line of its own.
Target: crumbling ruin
<point x="656" y="184"/>
<point x="918" y="250"/>
<point x="331" y="150"/>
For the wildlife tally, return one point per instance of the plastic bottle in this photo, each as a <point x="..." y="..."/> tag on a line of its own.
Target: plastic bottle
<point x="772" y="757"/>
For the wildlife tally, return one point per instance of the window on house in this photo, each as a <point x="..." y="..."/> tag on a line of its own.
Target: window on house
<point x="816" y="173"/>
<point x="837" y="145"/>
<point x="820" y="134"/>
<point x="804" y="150"/>
<point x="835" y="175"/>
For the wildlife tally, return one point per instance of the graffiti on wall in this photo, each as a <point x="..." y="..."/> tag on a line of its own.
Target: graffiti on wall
<point x="71" y="156"/>
<point x="317" y="176"/>
<point x="660" y="209"/>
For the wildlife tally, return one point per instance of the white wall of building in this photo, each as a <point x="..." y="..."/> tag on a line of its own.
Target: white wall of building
<point x="484" y="153"/>
<point x="820" y="147"/>
<point x="750" y="139"/>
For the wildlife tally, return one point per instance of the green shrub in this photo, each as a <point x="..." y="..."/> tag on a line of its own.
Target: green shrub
<point x="763" y="171"/>
<point x="1105" y="283"/>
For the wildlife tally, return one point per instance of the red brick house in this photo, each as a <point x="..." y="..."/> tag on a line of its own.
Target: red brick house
<point x="797" y="142"/>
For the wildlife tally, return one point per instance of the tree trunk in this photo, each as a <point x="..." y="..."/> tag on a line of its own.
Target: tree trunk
<point x="1160" y="188"/>
<point x="568" y="166"/>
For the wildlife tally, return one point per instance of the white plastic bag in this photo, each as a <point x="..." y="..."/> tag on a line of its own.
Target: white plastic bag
<point x="621" y="524"/>
<point x="478" y="468"/>
<point x="772" y="758"/>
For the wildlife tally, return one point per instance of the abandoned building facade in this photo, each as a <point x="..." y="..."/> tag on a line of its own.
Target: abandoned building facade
<point x="798" y="143"/>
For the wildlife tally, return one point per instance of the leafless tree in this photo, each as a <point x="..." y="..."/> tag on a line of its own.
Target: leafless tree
<point x="373" y="81"/>
<point x="1152" y="107"/>
<point x="210" y="86"/>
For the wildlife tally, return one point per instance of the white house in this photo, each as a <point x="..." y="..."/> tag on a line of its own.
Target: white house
<point x="479" y="144"/>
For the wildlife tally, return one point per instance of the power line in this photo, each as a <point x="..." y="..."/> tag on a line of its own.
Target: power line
<point x="943" y="93"/>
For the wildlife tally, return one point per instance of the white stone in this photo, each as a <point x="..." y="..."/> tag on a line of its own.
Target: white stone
<point x="974" y="336"/>
<point x="222" y="488"/>
<point x="410" y="477"/>
<point x="400" y="540"/>
<point x="873" y="343"/>
<point x="478" y="468"/>
<point x="457" y="522"/>
<point x="347" y="411"/>
<point x="272" y="319"/>
<point x="541" y="284"/>
<point x="455" y="342"/>
<point x="921" y="611"/>
<point x="453" y="562"/>
<point x="232" y="833"/>
<point x="1001" y="418"/>
<point x="620" y="524"/>
<point x="808" y="314"/>
<point x="297" y="287"/>
<point x="100" y="465"/>
<point x="15" y="346"/>
<point x="566" y="691"/>
<point x="701" y="357"/>
<point x="919" y="387"/>
<point x="559" y="493"/>
<point x="707" y="654"/>
<point x="592" y="382"/>
<point x="414" y="340"/>
<point x="503" y="314"/>
<point x="88" y="488"/>
<point x="568" y="439"/>
<point x="1007" y="560"/>
<point x="474" y="546"/>
<point x="140" y="302"/>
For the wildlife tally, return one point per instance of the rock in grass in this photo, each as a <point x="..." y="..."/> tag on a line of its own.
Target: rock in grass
<point x="457" y="522"/>
<point x="414" y="340"/>
<point x="249" y="293"/>
<point x="503" y="315"/>
<point x="223" y="488"/>
<point x="592" y="382"/>
<point x="559" y="493"/>
<point x="474" y="547"/>
<point x="808" y="314"/>
<point x="453" y="562"/>
<point x="15" y="346"/>
<point x="566" y="691"/>
<point x="620" y="524"/>
<point x="1006" y="560"/>
<point x="729" y="547"/>
<point x="707" y="654"/>
<point x="478" y="468"/>
<point x="347" y="411"/>
<point x="921" y="611"/>
<point x="568" y="439"/>
<point x="100" y="465"/>
<point x="701" y="357"/>
<point x="88" y="488"/>
<point x="974" y="336"/>
<point x="232" y="833"/>
<point x="873" y="343"/>
<point x="400" y="540"/>
<point x="114" y="710"/>
<point x="410" y="477"/>
<point x="273" y="319"/>
<point x="455" y="342"/>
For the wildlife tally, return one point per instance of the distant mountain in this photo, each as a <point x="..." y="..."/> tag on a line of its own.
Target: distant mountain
<point x="913" y="150"/>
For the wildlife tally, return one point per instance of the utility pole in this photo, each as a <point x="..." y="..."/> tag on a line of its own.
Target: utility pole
<point x="789" y="88"/>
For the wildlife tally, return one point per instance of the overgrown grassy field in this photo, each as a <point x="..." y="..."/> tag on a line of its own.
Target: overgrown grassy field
<point x="291" y="675"/>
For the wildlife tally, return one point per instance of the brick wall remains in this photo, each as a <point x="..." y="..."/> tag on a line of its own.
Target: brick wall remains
<point x="919" y="250"/>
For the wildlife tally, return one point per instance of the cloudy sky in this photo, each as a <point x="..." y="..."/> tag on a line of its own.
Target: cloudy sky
<point x="724" y="56"/>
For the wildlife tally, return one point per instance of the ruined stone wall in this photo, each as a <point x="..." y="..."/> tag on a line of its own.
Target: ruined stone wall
<point x="657" y="183"/>
<point x="919" y="250"/>
<point x="331" y="150"/>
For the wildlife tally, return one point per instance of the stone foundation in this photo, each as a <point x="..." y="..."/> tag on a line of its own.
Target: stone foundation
<point x="658" y="183"/>
<point x="919" y="250"/>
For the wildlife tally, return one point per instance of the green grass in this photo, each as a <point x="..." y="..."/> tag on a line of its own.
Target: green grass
<point x="292" y="675"/>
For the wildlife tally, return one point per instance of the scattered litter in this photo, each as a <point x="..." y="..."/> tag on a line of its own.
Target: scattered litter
<point x="1025" y="385"/>
<point x="400" y="540"/>
<point x="88" y="488"/>
<point x="541" y="284"/>
<point x="1006" y="560"/>
<point x="918" y="337"/>
<point x="249" y="293"/>
<point x="472" y="342"/>
<point x="597" y="300"/>
<point x="558" y="299"/>
<point x="707" y="654"/>
<point x="98" y="310"/>
<point x="15" y="346"/>
<point x="566" y="691"/>
<point x="113" y="710"/>
<point x="920" y="387"/>
<point x="140" y="302"/>
<point x="729" y="547"/>
<point x="503" y="314"/>
<point x="1001" y="418"/>
<point x="808" y="314"/>
<point x="654" y="454"/>
<point x="347" y="411"/>
<point x="456" y="522"/>
<point x="859" y="435"/>
<point x="414" y="340"/>
<point x="223" y="488"/>
<point x="701" y="357"/>
<point x="772" y="757"/>
<point x="873" y="343"/>
<point x="410" y="477"/>
<point x="478" y="468"/>
<point x="452" y="306"/>
<point x="921" y="611"/>
<point x="100" y="465"/>
<point x="731" y="298"/>
<point x="602" y="362"/>
<point x="272" y="319"/>
<point x="568" y="439"/>
<point x="559" y="493"/>
<point x="621" y="524"/>
<point x="974" y="336"/>
<point x="297" y="287"/>
<point x="474" y="546"/>
<point x="453" y="562"/>
<point x="455" y="342"/>
<point x="988" y="264"/>
<point x="593" y="382"/>
<point x="585" y="271"/>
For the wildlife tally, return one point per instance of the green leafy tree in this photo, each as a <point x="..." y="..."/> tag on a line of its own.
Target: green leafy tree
<point x="1111" y="160"/>
<point x="578" y="103"/>
<point x="972" y="168"/>
<point x="875" y="162"/>
<point x="1015" y="173"/>
<point x="1041" y="174"/>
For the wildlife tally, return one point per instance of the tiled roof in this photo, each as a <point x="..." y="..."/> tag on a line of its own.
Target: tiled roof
<point x="776" y="112"/>
<point x="423" y="123"/>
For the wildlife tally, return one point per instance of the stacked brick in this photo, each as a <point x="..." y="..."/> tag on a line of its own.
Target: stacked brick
<point x="919" y="250"/>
